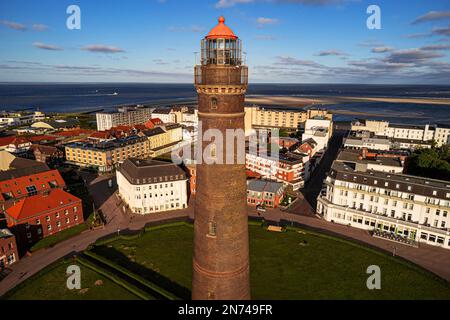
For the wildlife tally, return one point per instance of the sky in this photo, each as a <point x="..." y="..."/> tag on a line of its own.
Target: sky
<point x="286" y="41"/>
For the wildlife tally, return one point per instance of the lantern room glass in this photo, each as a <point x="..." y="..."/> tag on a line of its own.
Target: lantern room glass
<point x="221" y="51"/>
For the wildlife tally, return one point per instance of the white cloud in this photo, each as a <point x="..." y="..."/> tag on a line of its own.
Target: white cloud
<point x="433" y="16"/>
<point x="13" y="25"/>
<point x="102" y="48"/>
<point x="44" y="46"/>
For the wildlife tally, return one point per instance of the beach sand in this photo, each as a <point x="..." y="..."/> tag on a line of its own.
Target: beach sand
<point x="303" y="101"/>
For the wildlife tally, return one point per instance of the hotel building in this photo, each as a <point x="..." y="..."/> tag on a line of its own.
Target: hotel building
<point x="150" y="186"/>
<point x="440" y="134"/>
<point x="260" y="118"/>
<point x="125" y="116"/>
<point x="106" y="155"/>
<point x="367" y="139"/>
<point x="411" y="207"/>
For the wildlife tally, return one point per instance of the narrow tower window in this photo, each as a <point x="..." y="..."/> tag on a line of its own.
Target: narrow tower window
<point x="213" y="104"/>
<point x="212" y="229"/>
<point x="213" y="151"/>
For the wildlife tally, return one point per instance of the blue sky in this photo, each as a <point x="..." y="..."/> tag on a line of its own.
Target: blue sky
<point x="287" y="41"/>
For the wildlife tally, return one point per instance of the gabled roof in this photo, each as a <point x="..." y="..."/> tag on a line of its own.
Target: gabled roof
<point x="152" y="123"/>
<point x="73" y="133"/>
<point x="47" y="150"/>
<point x="20" y="167"/>
<point x="6" y="141"/>
<point x="101" y="135"/>
<point x="17" y="187"/>
<point x="40" y="204"/>
<point x="41" y="138"/>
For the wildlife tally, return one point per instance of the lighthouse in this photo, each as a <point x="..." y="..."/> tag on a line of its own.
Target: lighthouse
<point x="221" y="253"/>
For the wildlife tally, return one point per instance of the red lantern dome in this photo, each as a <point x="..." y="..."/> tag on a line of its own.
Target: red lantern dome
<point x="221" y="31"/>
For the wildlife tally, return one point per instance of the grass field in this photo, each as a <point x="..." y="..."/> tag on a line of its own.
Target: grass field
<point x="283" y="267"/>
<point x="50" y="284"/>
<point x="292" y="265"/>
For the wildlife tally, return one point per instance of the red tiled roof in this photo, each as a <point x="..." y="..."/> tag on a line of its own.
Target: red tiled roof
<point x="152" y="123"/>
<point x="40" y="204"/>
<point x="41" y="138"/>
<point x="6" y="141"/>
<point x="122" y="128"/>
<point x="17" y="187"/>
<point x="75" y="132"/>
<point x="140" y="127"/>
<point x="101" y="135"/>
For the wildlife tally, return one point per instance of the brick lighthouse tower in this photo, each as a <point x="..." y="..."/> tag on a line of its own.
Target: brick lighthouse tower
<point x="221" y="254"/>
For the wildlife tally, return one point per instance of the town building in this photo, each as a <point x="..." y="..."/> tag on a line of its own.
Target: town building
<point x="15" y="145"/>
<point x="191" y="168"/>
<point x="105" y="156"/>
<point x="128" y="116"/>
<point x="18" y="184"/>
<point x="164" y="138"/>
<point x="368" y="139"/>
<point x="151" y="186"/>
<point x="287" y="118"/>
<point x="365" y="160"/>
<point x="37" y="217"/>
<point x="440" y="134"/>
<point x="413" y="208"/>
<point x="47" y="154"/>
<point x="265" y="193"/>
<point x="8" y="249"/>
<point x="20" y="118"/>
<point x="166" y="115"/>
<point x="320" y="130"/>
<point x="288" y="168"/>
<point x="54" y="125"/>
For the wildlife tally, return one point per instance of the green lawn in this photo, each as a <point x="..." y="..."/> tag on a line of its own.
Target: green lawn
<point x="282" y="268"/>
<point x="290" y="265"/>
<point x="50" y="284"/>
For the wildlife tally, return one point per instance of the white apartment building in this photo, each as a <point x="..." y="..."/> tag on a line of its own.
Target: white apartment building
<point x="290" y="169"/>
<point x="441" y="134"/>
<point x="190" y="118"/>
<point x="259" y="118"/>
<point x="150" y="186"/>
<point x="165" y="115"/>
<point x="318" y="130"/>
<point x="19" y="119"/>
<point x="412" y="207"/>
<point x="125" y="116"/>
<point x="368" y="140"/>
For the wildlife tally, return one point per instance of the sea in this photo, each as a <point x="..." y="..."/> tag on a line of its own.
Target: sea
<point x="91" y="97"/>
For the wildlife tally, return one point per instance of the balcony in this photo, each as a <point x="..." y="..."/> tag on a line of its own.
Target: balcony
<point x="221" y="75"/>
